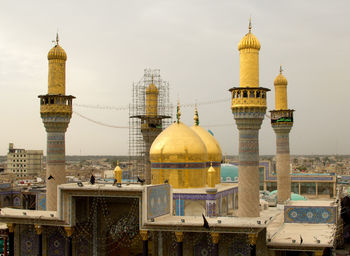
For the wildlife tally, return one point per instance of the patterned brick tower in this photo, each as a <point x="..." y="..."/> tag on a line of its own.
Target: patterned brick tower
<point x="56" y="112"/>
<point x="248" y="108"/>
<point x="282" y="122"/>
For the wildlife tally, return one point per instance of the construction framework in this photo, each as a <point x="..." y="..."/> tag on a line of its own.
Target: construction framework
<point x="149" y="113"/>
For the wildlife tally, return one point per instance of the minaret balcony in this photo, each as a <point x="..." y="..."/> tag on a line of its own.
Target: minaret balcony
<point x="56" y="104"/>
<point x="282" y="116"/>
<point x="248" y="97"/>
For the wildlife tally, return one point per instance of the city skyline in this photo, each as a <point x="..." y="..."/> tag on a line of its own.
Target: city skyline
<point x="109" y="44"/>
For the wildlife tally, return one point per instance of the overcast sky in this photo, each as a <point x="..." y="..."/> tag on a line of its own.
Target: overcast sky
<point x="194" y="44"/>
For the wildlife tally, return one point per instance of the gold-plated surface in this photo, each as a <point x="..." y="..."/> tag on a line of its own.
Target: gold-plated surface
<point x="248" y="97"/>
<point x="211" y="177"/>
<point x="179" y="144"/>
<point x="144" y="235"/>
<point x="179" y="236"/>
<point x="249" y="48"/>
<point x="281" y="92"/>
<point x="57" y="65"/>
<point x="69" y="231"/>
<point x="318" y="252"/>
<point x="252" y="238"/>
<point x="56" y="109"/>
<point x="38" y="229"/>
<point x="118" y="173"/>
<point x="211" y="144"/>
<point x="151" y="100"/>
<point x="215" y="237"/>
<point x="11" y="227"/>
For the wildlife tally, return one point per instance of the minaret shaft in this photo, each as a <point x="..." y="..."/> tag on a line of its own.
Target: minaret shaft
<point x="248" y="175"/>
<point x="283" y="163"/>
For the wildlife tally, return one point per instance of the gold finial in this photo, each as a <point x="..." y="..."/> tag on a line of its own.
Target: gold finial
<point x="178" y="114"/>
<point x="211" y="163"/>
<point x="250" y="24"/>
<point x="57" y="38"/>
<point x="117" y="162"/>
<point x="196" y="117"/>
<point x="281" y="69"/>
<point x="152" y="78"/>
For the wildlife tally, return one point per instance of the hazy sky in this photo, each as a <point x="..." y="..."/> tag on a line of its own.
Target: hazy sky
<point x="194" y="44"/>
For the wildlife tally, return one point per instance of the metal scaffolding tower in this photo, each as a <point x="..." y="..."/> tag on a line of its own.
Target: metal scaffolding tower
<point x="149" y="114"/>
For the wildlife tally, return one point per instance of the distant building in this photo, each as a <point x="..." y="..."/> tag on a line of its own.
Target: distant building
<point x="23" y="163"/>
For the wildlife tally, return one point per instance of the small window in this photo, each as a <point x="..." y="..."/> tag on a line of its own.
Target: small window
<point x="251" y="94"/>
<point x="263" y="95"/>
<point x="245" y="94"/>
<point x="258" y="94"/>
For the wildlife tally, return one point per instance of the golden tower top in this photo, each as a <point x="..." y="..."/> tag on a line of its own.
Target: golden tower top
<point x="57" y="70"/>
<point x="57" y="51"/>
<point x="281" y="91"/>
<point x="249" y="41"/>
<point x="280" y="79"/>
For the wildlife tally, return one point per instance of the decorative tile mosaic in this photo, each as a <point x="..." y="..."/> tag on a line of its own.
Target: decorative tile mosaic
<point x="295" y="214"/>
<point x="29" y="242"/>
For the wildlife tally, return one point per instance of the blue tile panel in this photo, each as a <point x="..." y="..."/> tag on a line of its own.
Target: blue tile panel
<point x="301" y="214"/>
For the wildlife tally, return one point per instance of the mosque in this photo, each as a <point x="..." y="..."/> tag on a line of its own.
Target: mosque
<point x="186" y="209"/>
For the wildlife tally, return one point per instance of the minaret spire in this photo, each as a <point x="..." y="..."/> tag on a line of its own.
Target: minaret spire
<point x="281" y="69"/>
<point x="178" y="113"/>
<point x="57" y="38"/>
<point x="250" y="24"/>
<point x="196" y="117"/>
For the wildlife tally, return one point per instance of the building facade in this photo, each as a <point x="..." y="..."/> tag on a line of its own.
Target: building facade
<point x="24" y="163"/>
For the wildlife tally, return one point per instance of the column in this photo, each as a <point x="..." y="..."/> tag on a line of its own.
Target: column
<point x="215" y="240"/>
<point x="144" y="236"/>
<point x="210" y="204"/>
<point x="11" y="228"/>
<point x="252" y="243"/>
<point x="39" y="232"/>
<point x="179" y="240"/>
<point x="69" y="233"/>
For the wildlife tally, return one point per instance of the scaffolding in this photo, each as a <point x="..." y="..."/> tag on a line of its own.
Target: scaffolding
<point x="149" y="114"/>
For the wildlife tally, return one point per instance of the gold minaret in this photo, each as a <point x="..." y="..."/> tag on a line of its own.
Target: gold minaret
<point x="56" y="112"/>
<point x="282" y="123"/>
<point x="248" y="108"/>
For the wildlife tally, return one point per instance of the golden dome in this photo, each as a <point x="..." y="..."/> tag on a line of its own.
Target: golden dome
<point x="178" y="144"/>
<point x="57" y="52"/>
<point x="249" y="41"/>
<point x="280" y="79"/>
<point x="213" y="147"/>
